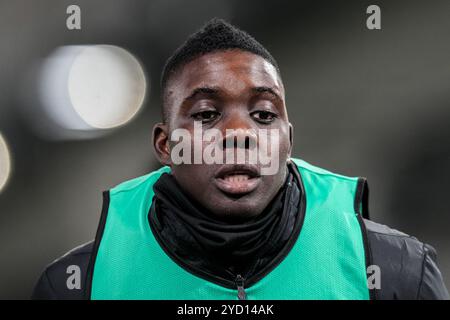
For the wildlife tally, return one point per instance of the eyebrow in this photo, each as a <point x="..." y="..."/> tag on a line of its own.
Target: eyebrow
<point x="206" y="91"/>
<point x="268" y="90"/>
<point x="213" y="92"/>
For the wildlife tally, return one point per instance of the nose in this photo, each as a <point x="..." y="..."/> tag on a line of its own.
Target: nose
<point x="239" y="131"/>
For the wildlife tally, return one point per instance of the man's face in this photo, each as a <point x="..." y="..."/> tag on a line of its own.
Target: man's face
<point x="224" y="90"/>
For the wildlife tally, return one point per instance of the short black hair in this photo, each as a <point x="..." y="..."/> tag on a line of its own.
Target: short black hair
<point x="215" y="35"/>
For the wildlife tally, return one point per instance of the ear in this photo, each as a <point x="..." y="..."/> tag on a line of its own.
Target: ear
<point x="291" y="138"/>
<point x="161" y="143"/>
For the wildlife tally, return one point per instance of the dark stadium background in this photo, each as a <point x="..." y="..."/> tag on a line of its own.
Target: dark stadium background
<point x="363" y="103"/>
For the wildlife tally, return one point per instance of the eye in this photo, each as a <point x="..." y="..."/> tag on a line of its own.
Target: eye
<point x="205" y="116"/>
<point x="264" y="116"/>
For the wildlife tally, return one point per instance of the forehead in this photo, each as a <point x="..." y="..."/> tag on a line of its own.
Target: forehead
<point x="233" y="70"/>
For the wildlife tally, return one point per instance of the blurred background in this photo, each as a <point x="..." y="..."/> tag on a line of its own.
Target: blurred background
<point x="373" y="103"/>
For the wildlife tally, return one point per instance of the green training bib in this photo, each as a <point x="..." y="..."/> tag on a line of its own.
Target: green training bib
<point x="327" y="261"/>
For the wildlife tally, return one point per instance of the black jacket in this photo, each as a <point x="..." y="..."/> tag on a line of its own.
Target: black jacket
<point x="408" y="268"/>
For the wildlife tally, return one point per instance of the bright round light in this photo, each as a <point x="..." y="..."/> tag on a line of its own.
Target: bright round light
<point x="5" y="163"/>
<point x="85" y="90"/>
<point x="106" y="86"/>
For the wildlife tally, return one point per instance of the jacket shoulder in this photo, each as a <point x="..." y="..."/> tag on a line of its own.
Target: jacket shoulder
<point x="408" y="267"/>
<point x="65" y="278"/>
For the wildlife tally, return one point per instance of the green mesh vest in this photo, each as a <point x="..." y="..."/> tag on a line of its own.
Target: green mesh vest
<point x="327" y="260"/>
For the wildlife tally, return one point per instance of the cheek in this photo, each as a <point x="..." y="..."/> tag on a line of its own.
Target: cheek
<point x="282" y="143"/>
<point x="194" y="179"/>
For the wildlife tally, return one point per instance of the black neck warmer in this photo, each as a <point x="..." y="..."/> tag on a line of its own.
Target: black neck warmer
<point x="198" y="241"/>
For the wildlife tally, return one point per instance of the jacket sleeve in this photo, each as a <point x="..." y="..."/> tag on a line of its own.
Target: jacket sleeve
<point x="52" y="285"/>
<point x="408" y="266"/>
<point x="432" y="285"/>
<point x="43" y="289"/>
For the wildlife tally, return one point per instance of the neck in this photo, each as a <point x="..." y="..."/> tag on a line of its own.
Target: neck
<point x="215" y="245"/>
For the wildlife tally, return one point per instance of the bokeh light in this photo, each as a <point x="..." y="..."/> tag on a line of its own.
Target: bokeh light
<point x="5" y="163"/>
<point x="89" y="88"/>
<point x="106" y="86"/>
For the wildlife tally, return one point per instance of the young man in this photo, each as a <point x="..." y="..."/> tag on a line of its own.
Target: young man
<point x="207" y="230"/>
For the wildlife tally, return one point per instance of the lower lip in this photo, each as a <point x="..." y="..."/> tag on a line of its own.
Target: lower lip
<point x="237" y="187"/>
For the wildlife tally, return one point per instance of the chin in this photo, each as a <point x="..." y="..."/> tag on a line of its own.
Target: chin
<point x="240" y="209"/>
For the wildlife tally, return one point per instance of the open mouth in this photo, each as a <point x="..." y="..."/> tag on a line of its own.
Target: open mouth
<point x="237" y="179"/>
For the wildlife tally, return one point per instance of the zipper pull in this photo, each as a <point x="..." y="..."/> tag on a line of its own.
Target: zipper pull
<point x="240" y="287"/>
